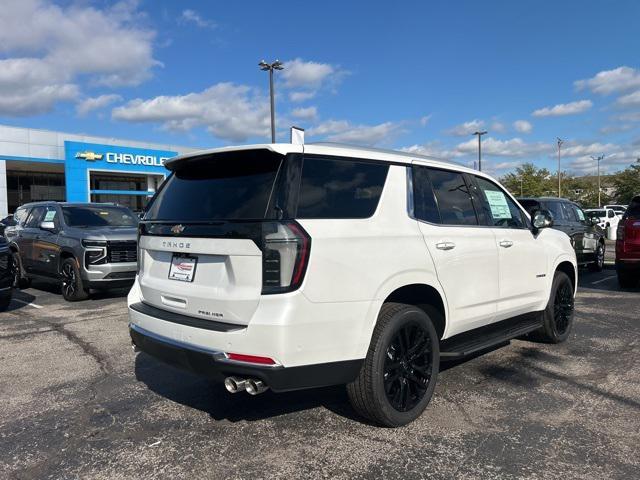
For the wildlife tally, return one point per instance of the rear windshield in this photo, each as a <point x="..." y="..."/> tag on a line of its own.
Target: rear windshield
<point x="95" y="216"/>
<point x="235" y="186"/>
<point x="597" y="213"/>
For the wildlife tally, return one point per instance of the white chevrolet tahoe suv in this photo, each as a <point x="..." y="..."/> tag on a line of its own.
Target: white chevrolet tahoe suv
<point x="296" y="266"/>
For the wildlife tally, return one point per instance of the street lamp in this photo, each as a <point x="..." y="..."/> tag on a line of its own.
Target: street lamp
<point x="270" y="67"/>
<point x="479" y="134"/>
<point x="598" y="159"/>
<point x="560" y="142"/>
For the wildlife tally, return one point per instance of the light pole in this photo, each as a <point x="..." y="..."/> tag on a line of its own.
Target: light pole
<point x="479" y="134"/>
<point x="560" y="142"/>
<point x="598" y="159"/>
<point x="270" y="67"/>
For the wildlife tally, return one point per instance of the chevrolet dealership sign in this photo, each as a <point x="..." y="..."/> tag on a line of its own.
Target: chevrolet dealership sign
<point x="123" y="158"/>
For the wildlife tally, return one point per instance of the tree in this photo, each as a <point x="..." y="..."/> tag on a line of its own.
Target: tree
<point x="529" y="181"/>
<point x="627" y="184"/>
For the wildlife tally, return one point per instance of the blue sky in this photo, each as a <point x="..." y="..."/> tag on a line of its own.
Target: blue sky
<point x="419" y="76"/>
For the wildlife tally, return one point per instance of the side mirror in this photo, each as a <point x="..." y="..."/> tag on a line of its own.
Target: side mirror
<point x="594" y="220"/>
<point x="49" y="226"/>
<point x="542" y="219"/>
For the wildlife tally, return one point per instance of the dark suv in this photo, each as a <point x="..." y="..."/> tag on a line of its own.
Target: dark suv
<point x="586" y="237"/>
<point x="628" y="246"/>
<point x="6" y="272"/>
<point x="81" y="245"/>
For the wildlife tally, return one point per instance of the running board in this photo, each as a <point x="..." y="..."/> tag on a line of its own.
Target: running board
<point x="496" y="334"/>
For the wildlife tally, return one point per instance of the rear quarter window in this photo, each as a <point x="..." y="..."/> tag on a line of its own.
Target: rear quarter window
<point x="340" y="188"/>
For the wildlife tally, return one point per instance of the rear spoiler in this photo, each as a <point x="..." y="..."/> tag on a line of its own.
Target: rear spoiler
<point x="282" y="148"/>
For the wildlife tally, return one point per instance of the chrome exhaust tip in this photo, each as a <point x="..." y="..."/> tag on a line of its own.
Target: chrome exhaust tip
<point x="235" y="384"/>
<point x="256" y="387"/>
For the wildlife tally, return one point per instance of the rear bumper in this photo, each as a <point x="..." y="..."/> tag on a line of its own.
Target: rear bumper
<point x="628" y="264"/>
<point x="214" y="365"/>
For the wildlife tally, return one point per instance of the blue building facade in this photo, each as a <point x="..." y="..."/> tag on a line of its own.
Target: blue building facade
<point x="38" y="165"/>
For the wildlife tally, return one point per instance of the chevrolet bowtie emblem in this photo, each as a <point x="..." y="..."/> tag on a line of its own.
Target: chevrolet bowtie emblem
<point x="176" y="229"/>
<point x="89" y="156"/>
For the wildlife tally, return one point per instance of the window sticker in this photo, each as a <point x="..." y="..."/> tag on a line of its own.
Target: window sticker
<point x="498" y="204"/>
<point x="49" y="216"/>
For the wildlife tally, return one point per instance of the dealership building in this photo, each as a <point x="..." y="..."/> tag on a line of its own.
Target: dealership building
<point x="44" y="165"/>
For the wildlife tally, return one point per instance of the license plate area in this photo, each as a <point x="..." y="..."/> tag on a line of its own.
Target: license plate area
<point x="183" y="267"/>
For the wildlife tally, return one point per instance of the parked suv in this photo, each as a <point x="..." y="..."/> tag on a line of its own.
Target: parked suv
<point x="587" y="237"/>
<point x="628" y="245"/>
<point x="288" y="267"/>
<point x="81" y="245"/>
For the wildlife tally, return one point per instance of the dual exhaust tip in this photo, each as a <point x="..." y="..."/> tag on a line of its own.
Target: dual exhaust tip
<point x="253" y="386"/>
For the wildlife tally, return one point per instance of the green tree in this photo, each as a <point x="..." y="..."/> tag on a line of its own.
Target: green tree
<point x="529" y="181"/>
<point x="627" y="184"/>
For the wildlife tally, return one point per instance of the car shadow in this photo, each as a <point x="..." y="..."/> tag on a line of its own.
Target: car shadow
<point x="202" y="394"/>
<point x="53" y="287"/>
<point x="23" y="299"/>
<point x="605" y="281"/>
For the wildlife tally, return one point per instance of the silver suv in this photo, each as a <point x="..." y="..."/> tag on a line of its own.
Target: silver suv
<point x="80" y="245"/>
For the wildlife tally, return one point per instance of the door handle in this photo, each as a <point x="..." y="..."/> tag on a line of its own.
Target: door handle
<point x="506" y="243"/>
<point x="445" y="246"/>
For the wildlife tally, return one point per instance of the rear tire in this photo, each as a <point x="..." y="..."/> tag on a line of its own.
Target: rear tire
<point x="72" y="287"/>
<point x="398" y="376"/>
<point x="558" y="316"/>
<point x="19" y="279"/>
<point x="598" y="264"/>
<point x="627" y="279"/>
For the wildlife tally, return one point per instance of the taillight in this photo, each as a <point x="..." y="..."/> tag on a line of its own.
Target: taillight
<point x="240" y="357"/>
<point x="620" y="231"/>
<point x="285" y="255"/>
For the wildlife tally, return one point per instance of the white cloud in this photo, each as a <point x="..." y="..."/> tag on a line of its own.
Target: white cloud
<point x="301" y="96"/>
<point x="345" y="132"/>
<point x="307" y="78"/>
<point x="610" y="81"/>
<point x="228" y="111"/>
<point x="95" y="103"/>
<point x="297" y="73"/>
<point x="574" y="149"/>
<point x="522" y="126"/>
<point x="466" y="128"/>
<point x="630" y="100"/>
<point x="561" y="109"/>
<point x="514" y="147"/>
<point x="49" y="49"/>
<point x="432" y="149"/>
<point x="193" y="17"/>
<point x="308" y="113"/>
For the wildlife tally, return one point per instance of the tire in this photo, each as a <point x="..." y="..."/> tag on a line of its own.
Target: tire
<point x="19" y="279"/>
<point x="410" y="382"/>
<point x="598" y="264"/>
<point x="558" y="316"/>
<point x="627" y="279"/>
<point x="72" y="287"/>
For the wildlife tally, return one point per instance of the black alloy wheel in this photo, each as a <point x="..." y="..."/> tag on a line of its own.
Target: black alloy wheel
<point x="598" y="264"/>
<point x="407" y="367"/>
<point x="71" y="283"/>
<point x="563" y="306"/>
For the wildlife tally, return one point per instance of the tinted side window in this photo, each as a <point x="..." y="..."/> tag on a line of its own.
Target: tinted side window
<point x="424" y="202"/>
<point x="634" y="208"/>
<point x="332" y="188"/>
<point x="34" y="217"/>
<point x="453" y="197"/>
<point x="579" y="213"/>
<point x="570" y="213"/>
<point x="500" y="209"/>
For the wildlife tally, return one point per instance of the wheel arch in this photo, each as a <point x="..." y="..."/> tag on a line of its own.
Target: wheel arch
<point x="64" y="254"/>
<point x="570" y="269"/>
<point x="426" y="298"/>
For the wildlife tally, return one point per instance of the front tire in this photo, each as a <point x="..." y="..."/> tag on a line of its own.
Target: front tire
<point x="72" y="287"/>
<point x="598" y="264"/>
<point x="558" y="316"/>
<point x="398" y="376"/>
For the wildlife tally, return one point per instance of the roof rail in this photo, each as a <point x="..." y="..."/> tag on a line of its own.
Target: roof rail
<point x="382" y="150"/>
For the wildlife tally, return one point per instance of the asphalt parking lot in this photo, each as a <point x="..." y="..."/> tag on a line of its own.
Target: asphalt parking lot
<point x="76" y="402"/>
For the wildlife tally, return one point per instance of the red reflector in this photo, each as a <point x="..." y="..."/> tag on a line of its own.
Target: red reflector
<point x="250" y="359"/>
